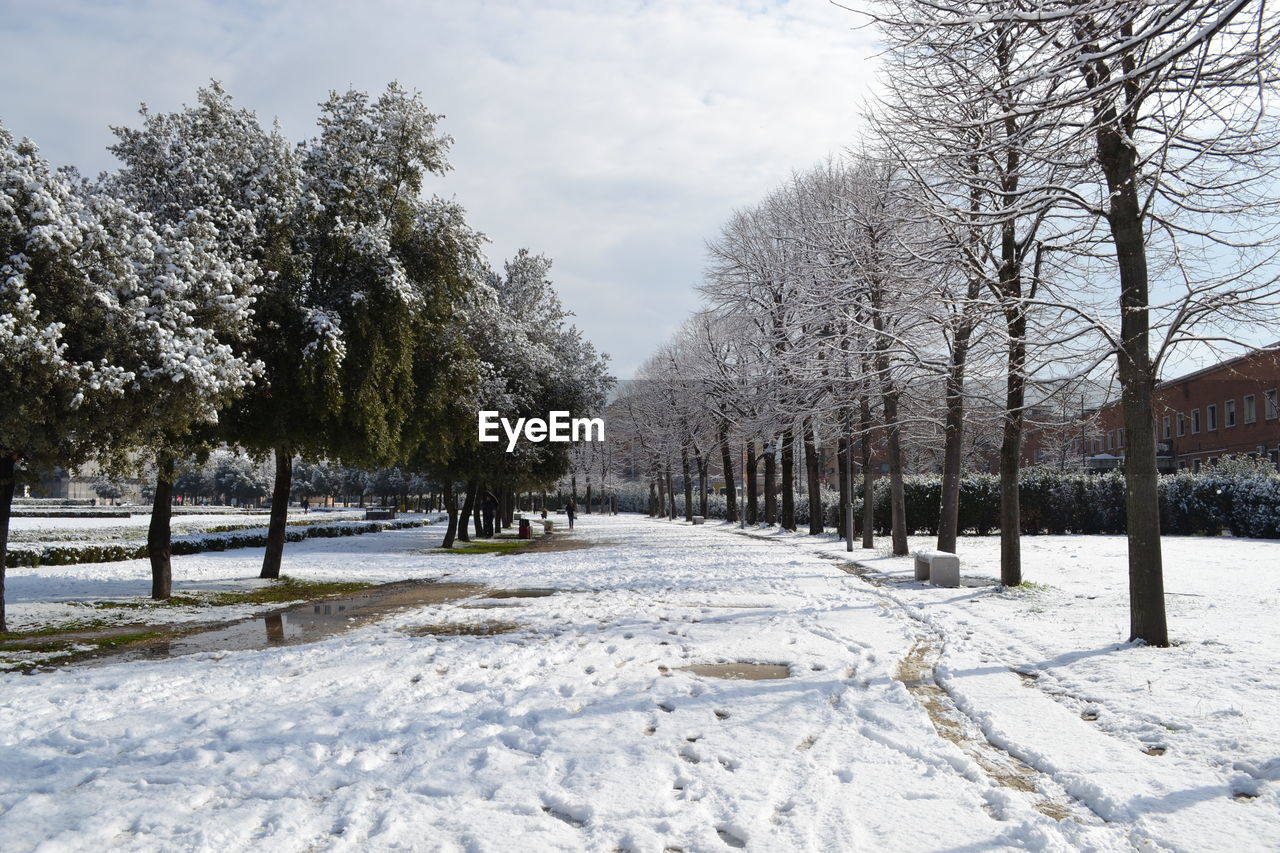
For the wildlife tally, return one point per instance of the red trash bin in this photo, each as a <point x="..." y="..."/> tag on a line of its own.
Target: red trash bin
<point x="526" y="529"/>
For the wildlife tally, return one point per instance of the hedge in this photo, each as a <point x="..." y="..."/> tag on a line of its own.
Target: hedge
<point x="1238" y="496"/>
<point x="65" y="554"/>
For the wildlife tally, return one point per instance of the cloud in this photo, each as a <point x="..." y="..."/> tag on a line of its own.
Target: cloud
<point x="614" y="137"/>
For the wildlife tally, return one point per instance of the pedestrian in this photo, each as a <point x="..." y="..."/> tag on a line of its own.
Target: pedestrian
<point x="488" y="511"/>
<point x="306" y="505"/>
<point x="570" y="510"/>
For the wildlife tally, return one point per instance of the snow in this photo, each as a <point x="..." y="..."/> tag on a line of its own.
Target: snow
<point x="578" y="730"/>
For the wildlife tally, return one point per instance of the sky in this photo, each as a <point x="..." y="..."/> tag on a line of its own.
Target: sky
<point x="613" y="136"/>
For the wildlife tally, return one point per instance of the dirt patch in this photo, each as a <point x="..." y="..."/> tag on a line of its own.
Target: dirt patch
<point x="916" y="674"/>
<point x="461" y="629"/>
<point x="554" y="542"/>
<point x="528" y="592"/>
<point x="739" y="669"/>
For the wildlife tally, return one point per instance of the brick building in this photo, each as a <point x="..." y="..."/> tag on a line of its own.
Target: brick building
<point x="1231" y="408"/>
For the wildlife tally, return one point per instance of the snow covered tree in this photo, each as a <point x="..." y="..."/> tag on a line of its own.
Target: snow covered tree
<point x="339" y="325"/>
<point x="224" y="190"/>
<point x="530" y="360"/>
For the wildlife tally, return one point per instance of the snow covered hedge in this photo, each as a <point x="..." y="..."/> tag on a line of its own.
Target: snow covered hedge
<point x="64" y="554"/>
<point x="1239" y="496"/>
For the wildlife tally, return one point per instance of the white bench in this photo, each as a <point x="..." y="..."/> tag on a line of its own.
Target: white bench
<point x="698" y="519"/>
<point x="939" y="568"/>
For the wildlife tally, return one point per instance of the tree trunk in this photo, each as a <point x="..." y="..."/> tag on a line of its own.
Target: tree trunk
<point x="279" y="514"/>
<point x="897" y="493"/>
<point x="868" y="475"/>
<point x="671" y="493"/>
<point x="788" y="481"/>
<point x="953" y="434"/>
<point x="726" y="459"/>
<point x="661" y="509"/>
<point x="1011" y="460"/>
<point x="587" y="504"/>
<point x="813" y="475"/>
<point x="653" y="500"/>
<point x="753" y="499"/>
<point x="468" y="506"/>
<point x="450" y="507"/>
<point x="843" y="516"/>
<point x="159" y="539"/>
<point x="688" y="484"/>
<point x="770" y="485"/>
<point x="1147" y="621"/>
<point x="703" y="497"/>
<point x="8" y="481"/>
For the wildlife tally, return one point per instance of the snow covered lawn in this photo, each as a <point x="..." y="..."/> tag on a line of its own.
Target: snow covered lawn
<point x="580" y="731"/>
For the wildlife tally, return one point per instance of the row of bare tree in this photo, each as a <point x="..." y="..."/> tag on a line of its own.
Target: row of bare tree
<point x="1044" y="185"/>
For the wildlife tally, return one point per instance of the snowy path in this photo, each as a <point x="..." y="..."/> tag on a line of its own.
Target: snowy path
<point x="578" y="731"/>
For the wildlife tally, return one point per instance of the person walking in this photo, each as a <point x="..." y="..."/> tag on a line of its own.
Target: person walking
<point x="571" y="511"/>
<point x="489" y="512"/>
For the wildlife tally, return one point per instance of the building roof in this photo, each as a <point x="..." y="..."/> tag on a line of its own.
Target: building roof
<point x="1273" y="349"/>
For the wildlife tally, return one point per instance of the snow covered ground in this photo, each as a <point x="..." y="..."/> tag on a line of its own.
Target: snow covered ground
<point x="580" y="731"/>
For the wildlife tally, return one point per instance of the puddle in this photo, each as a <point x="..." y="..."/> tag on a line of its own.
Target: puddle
<point x="916" y="674"/>
<point x="739" y="669"/>
<point x="305" y="623"/>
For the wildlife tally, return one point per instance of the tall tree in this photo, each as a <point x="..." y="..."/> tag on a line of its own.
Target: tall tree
<point x="211" y="164"/>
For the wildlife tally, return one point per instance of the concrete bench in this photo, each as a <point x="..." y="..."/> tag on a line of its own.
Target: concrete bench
<point x="698" y="519"/>
<point x="379" y="514"/>
<point x="939" y="568"/>
<point x="548" y="525"/>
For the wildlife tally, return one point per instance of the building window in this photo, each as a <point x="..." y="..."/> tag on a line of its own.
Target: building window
<point x="1229" y="413"/>
<point x="1211" y="417"/>
<point x="1195" y="421"/>
<point x="1182" y="464"/>
<point x="1271" y="404"/>
<point x="1182" y="425"/>
<point x="1120" y="437"/>
<point x="1250" y="409"/>
<point x="1166" y="428"/>
<point x="1195" y="466"/>
<point x="1210" y="462"/>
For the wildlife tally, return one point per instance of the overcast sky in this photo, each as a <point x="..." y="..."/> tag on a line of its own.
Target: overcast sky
<point x="613" y="136"/>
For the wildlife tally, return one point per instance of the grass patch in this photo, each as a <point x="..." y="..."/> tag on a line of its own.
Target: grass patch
<point x="68" y="650"/>
<point x="487" y="546"/>
<point x="281" y="591"/>
<point x="73" y="626"/>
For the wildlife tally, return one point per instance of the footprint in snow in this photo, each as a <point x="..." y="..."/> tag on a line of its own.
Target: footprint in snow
<point x="561" y="816"/>
<point x="666" y="706"/>
<point x="729" y="838"/>
<point x="722" y="715"/>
